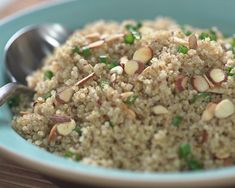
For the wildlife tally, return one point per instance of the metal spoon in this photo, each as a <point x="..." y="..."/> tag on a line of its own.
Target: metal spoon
<point x="24" y="53"/>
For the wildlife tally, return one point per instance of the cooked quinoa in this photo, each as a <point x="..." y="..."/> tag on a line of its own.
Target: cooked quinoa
<point x="149" y="96"/>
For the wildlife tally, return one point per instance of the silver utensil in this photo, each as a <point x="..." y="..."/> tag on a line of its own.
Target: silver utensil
<point x="24" y="53"/>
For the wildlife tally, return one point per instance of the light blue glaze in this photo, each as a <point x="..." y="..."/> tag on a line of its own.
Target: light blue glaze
<point x="75" y="14"/>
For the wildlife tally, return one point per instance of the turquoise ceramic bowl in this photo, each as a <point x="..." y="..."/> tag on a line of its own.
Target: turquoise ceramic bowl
<point x="75" y="14"/>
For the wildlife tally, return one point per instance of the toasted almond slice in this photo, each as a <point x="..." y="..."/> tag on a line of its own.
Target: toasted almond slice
<point x="159" y="109"/>
<point x="180" y="41"/>
<point x="209" y="82"/>
<point x="53" y="134"/>
<point x="117" y="69"/>
<point x="130" y="113"/>
<point x="217" y="76"/>
<point x="222" y="153"/>
<point x="192" y="42"/>
<point x="181" y="83"/>
<point x="95" y="44"/>
<point x="144" y="54"/>
<point x="216" y="90"/>
<point x="84" y="80"/>
<point x="93" y="36"/>
<point x="64" y="96"/>
<point x="126" y="95"/>
<point x="59" y="119"/>
<point x="148" y="70"/>
<point x="199" y="83"/>
<point x="209" y="112"/>
<point x="123" y="61"/>
<point x="131" y="67"/>
<point x="66" y="128"/>
<point x="24" y="113"/>
<point x="224" y="109"/>
<point x="114" y="37"/>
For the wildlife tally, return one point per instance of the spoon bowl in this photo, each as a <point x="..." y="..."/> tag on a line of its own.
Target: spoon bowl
<point x="24" y="53"/>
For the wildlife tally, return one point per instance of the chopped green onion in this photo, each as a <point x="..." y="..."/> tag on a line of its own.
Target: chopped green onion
<point x="184" y="150"/>
<point x="48" y="75"/>
<point x="203" y="36"/>
<point x="213" y="35"/>
<point x="131" y="99"/>
<point x="194" y="164"/>
<point x="68" y="154"/>
<point x="113" y="64"/>
<point x="136" y="34"/>
<point x="203" y="95"/>
<point x="129" y="38"/>
<point x="110" y="124"/>
<point x="138" y="25"/>
<point x="182" y="49"/>
<point x="177" y="120"/>
<point x="76" y="49"/>
<point x="233" y="43"/>
<point x="14" y="101"/>
<point x="230" y="70"/>
<point x="103" y="59"/>
<point x="187" y="33"/>
<point x="103" y="83"/>
<point x="134" y="27"/>
<point x="78" y="157"/>
<point x="47" y="95"/>
<point x="86" y="51"/>
<point x="78" y="130"/>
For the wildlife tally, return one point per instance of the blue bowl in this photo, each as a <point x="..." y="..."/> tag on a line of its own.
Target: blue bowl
<point x="74" y="14"/>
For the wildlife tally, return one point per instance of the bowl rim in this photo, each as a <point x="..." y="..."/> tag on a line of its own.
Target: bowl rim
<point x="217" y="177"/>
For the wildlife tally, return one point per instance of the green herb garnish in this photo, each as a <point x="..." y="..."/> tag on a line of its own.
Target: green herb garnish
<point x="76" y="49"/>
<point x="68" y="154"/>
<point x="202" y="95"/>
<point x="103" y="59"/>
<point x="131" y="99"/>
<point x="47" y="95"/>
<point x="78" y="130"/>
<point x="129" y="38"/>
<point x="78" y="157"/>
<point x="185" y="31"/>
<point x="134" y="27"/>
<point x="14" y="101"/>
<point x="177" y="120"/>
<point x="230" y="70"/>
<point x="184" y="150"/>
<point x="182" y="49"/>
<point x="194" y="164"/>
<point x="203" y="36"/>
<point x="48" y="75"/>
<point x="213" y="36"/>
<point x="113" y="64"/>
<point x="86" y="51"/>
<point x="233" y="43"/>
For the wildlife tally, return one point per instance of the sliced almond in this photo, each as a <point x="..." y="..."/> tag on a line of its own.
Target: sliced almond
<point x="217" y="76"/>
<point x="114" y="37"/>
<point x="84" y="80"/>
<point x="224" y="109"/>
<point x="59" y="119"/>
<point x="96" y="44"/>
<point x="131" y="67"/>
<point x="24" y="113"/>
<point x="117" y="69"/>
<point x="126" y="95"/>
<point x="53" y="134"/>
<point x="222" y="153"/>
<point x="130" y="113"/>
<point x="209" y="112"/>
<point x="148" y="70"/>
<point x="159" y="109"/>
<point x="93" y="36"/>
<point x="64" y="96"/>
<point x="199" y="83"/>
<point x="181" y="83"/>
<point x="123" y="61"/>
<point x="209" y="82"/>
<point x="216" y="90"/>
<point x="66" y="128"/>
<point x="192" y="42"/>
<point x="144" y="54"/>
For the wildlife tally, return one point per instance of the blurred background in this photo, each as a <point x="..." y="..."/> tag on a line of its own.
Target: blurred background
<point x="8" y="7"/>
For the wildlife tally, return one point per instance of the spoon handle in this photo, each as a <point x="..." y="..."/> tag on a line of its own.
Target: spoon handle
<point x="8" y="90"/>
